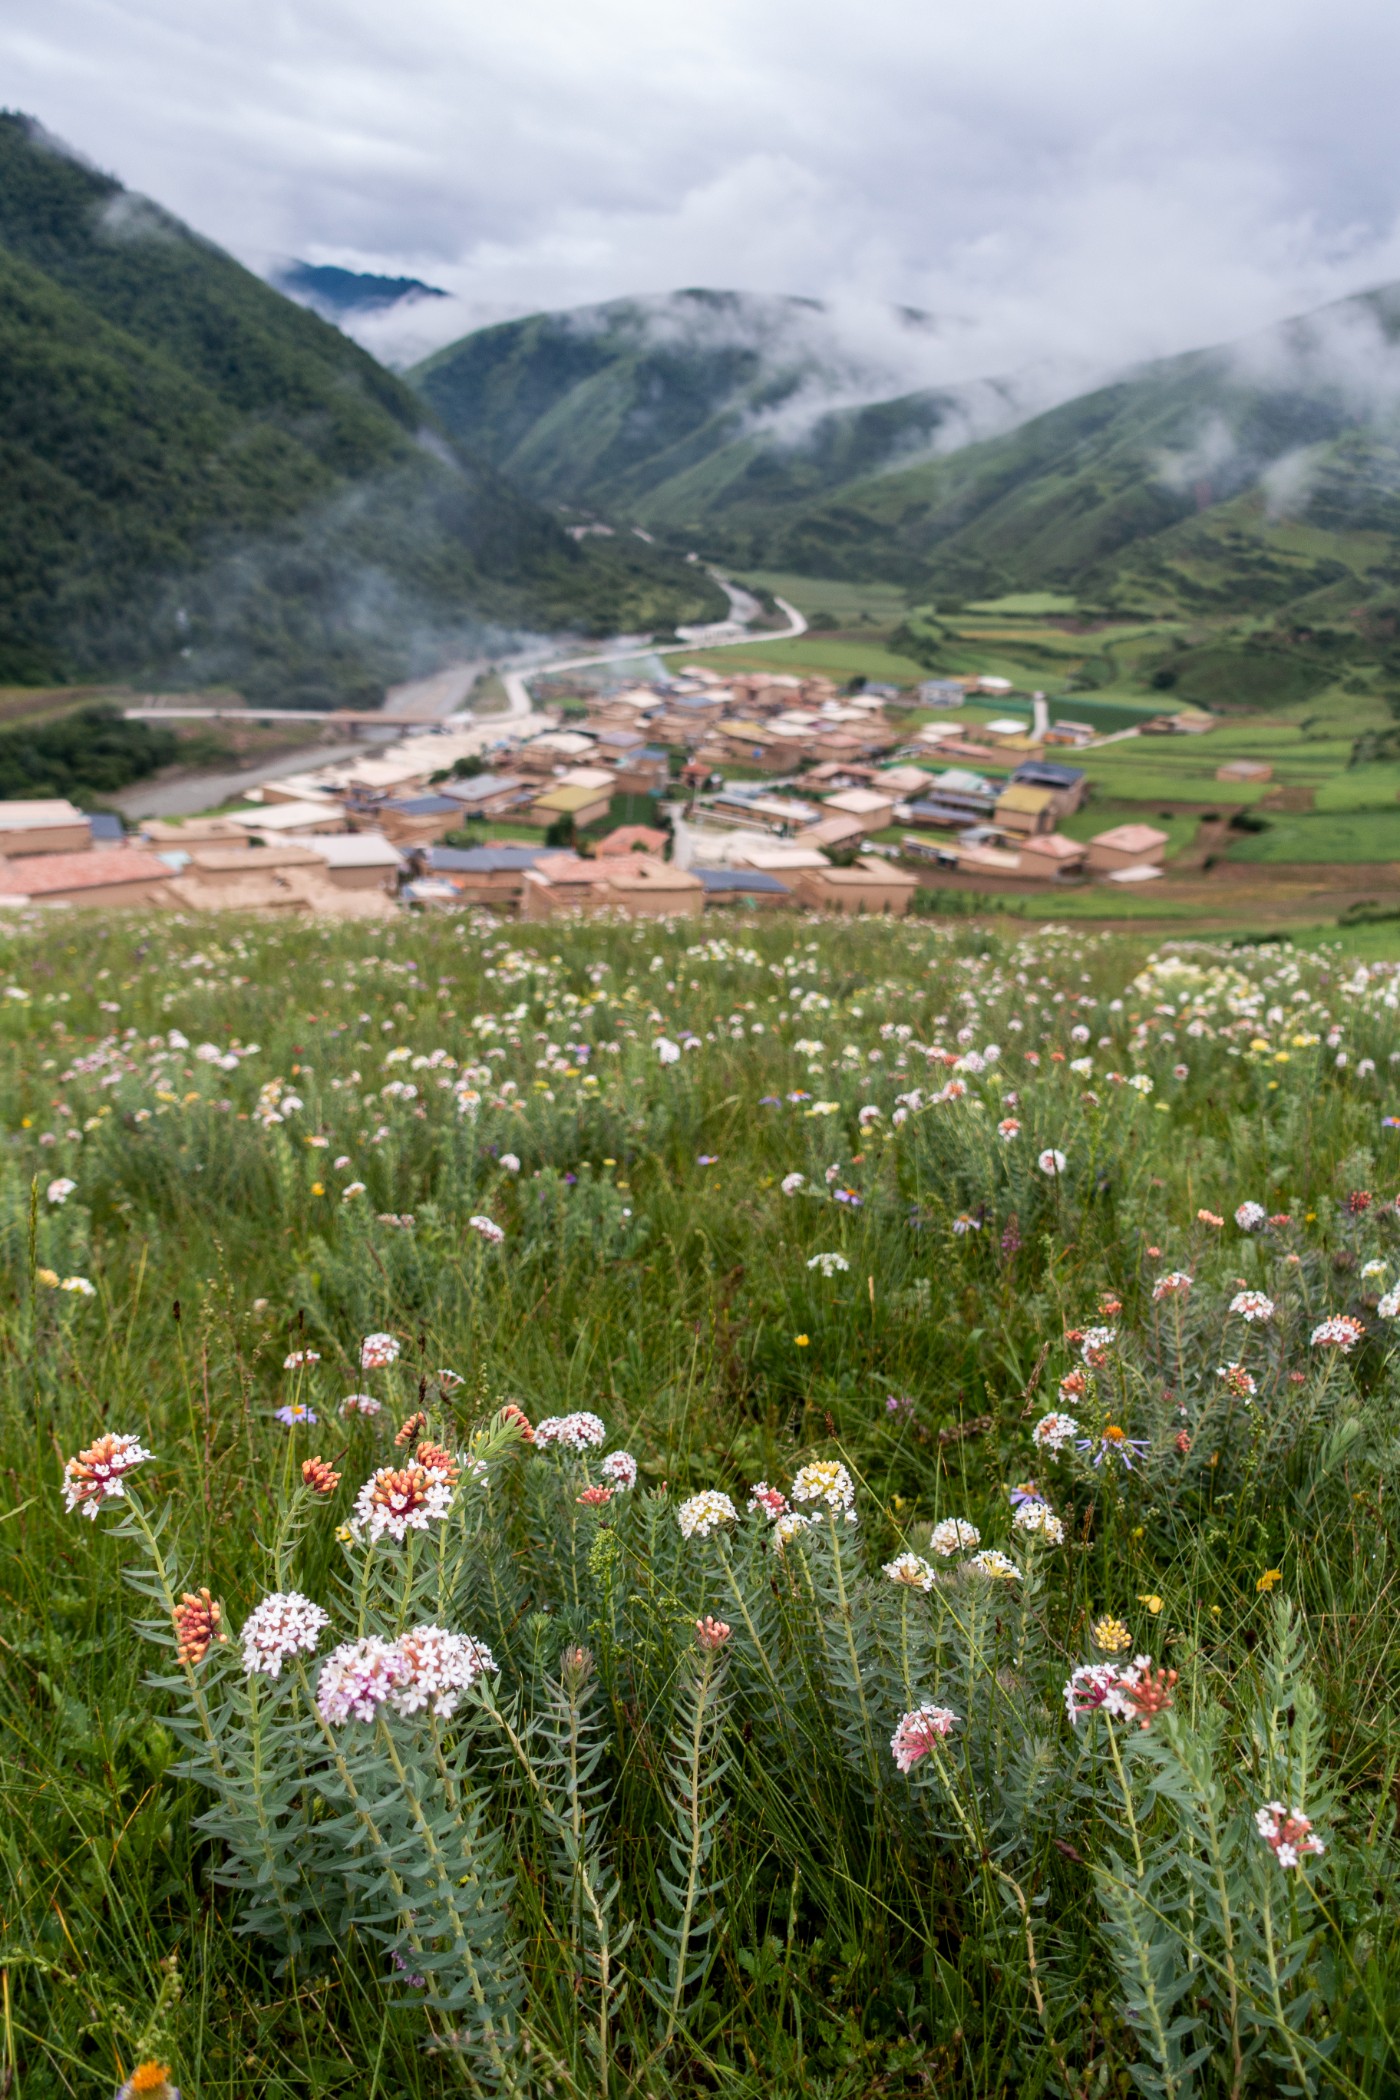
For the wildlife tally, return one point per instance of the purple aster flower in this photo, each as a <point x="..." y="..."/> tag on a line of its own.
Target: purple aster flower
<point x="1115" y="1443"/>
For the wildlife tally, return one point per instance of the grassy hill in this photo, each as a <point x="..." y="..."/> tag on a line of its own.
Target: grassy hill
<point x="1259" y="481"/>
<point x="696" y="414"/>
<point x="205" y="481"/>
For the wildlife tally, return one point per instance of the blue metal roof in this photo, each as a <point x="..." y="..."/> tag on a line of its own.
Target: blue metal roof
<point x="1043" y="772"/>
<point x="753" y="879"/>
<point x="481" y="860"/>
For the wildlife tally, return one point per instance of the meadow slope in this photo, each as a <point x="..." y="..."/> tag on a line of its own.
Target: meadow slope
<point x="799" y="1510"/>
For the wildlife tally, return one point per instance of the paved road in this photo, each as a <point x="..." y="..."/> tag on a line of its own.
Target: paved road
<point x="201" y="791"/>
<point x="442" y="696"/>
<point x="444" y="693"/>
<point x="518" y="692"/>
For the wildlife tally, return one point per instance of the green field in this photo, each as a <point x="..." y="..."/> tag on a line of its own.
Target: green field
<point x="1360" y="835"/>
<point x="839" y="656"/>
<point x="507" y="1766"/>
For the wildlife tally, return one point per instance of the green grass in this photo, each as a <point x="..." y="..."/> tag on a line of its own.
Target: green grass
<point x="1358" y="835"/>
<point x="803" y="1917"/>
<point x="1361" y="787"/>
<point x="837" y="657"/>
<point x="1025" y="604"/>
<point x="846" y="601"/>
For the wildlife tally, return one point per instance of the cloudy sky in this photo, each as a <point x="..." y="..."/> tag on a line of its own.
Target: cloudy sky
<point x="1097" y="180"/>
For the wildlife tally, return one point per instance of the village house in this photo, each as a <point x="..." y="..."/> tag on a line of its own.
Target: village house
<point x="358" y="860"/>
<point x="631" y="838"/>
<point x="871" y="810"/>
<point x="582" y="805"/>
<point x="1025" y="810"/>
<point x="1127" y="846"/>
<point x="746" y="887"/>
<point x="1051" y="855"/>
<point x="486" y="875"/>
<point x="489" y="794"/>
<point x="644" y="772"/>
<point x="418" y="820"/>
<point x="281" y="819"/>
<point x="834" y="833"/>
<point x="1245" y="769"/>
<point x="871" y="886"/>
<point x="1068" y="786"/>
<point x="194" y="831"/>
<point x="117" y="875"/>
<point x="52" y="826"/>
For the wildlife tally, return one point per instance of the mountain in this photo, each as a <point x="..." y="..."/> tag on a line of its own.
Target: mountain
<point x="205" y="481"/>
<point x="701" y="412"/>
<point x="332" y="292"/>
<point x="1256" y="475"/>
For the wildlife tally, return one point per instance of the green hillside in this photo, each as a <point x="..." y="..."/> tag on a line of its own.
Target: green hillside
<point x="204" y="481"/>
<point x="677" y="412"/>
<point x="1260" y="480"/>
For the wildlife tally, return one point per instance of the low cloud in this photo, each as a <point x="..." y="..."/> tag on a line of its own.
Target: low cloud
<point x="1068" y="190"/>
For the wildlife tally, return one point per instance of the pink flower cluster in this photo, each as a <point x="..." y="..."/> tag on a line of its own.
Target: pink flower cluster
<point x="283" y="1625"/>
<point x="1053" y="1431"/>
<point x="772" y="1501"/>
<point x="576" y="1432"/>
<point x="396" y="1500"/>
<point x="378" y="1351"/>
<point x="1341" y="1331"/>
<point x="1288" y="1833"/>
<point x="98" y="1474"/>
<point x="425" y="1668"/>
<point x="1127" y="1692"/>
<point x="919" y="1733"/>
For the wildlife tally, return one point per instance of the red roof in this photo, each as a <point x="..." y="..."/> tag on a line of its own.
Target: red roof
<point x="632" y="838"/>
<point x="41" y="874"/>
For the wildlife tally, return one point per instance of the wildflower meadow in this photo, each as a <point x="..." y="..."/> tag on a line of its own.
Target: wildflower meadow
<point x="599" y="1510"/>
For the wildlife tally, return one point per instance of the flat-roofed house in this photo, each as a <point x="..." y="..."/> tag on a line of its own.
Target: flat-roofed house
<point x="357" y="860"/>
<point x="550" y="749"/>
<point x="194" y="832"/>
<point x="285" y="819"/>
<point x="1025" y="810"/>
<point x="644" y="772"/>
<point x="489" y="875"/>
<point x="870" y="809"/>
<point x="116" y="876"/>
<point x="832" y="833"/>
<point x="418" y="820"/>
<point x="1068" y="785"/>
<point x="43" y="826"/>
<point x="782" y="858"/>
<point x="1127" y="846"/>
<point x="1245" y="769"/>
<point x="646" y="888"/>
<point x="746" y="887"/>
<point x="872" y="886"/>
<point x="489" y="794"/>
<point x="585" y="805"/>
<point x="287" y="877"/>
<point x="563" y="882"/>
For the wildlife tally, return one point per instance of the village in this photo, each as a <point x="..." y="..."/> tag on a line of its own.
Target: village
<point x="664" y="795"/>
